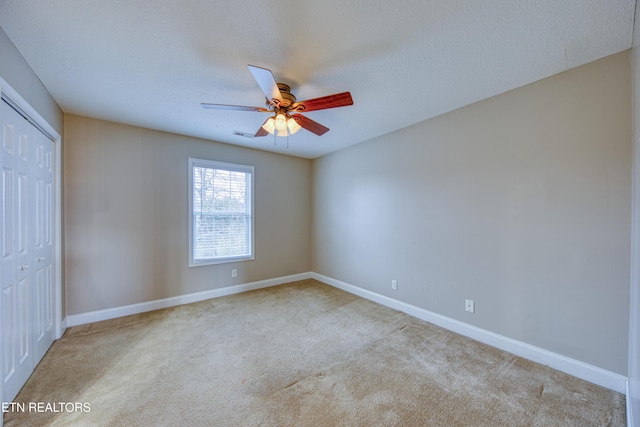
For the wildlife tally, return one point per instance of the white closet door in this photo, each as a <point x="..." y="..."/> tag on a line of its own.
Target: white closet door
<point x="17" y="253"/>
<point x="43" y="244"/>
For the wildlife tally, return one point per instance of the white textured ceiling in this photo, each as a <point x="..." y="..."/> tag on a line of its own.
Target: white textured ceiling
<point x="151" y="63"/>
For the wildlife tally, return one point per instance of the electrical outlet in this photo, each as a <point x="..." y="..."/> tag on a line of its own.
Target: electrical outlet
<point x="469" y="306"/>
<point x="234" y="273"/>
<point x="394" y="285"/>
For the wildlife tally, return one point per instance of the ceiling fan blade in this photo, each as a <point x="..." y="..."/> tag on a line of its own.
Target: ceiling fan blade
<point x="310" y="125"/>
<point x="261" y="131"/>
<point x="331" y="101"/>
<point x="234" y="107"/>
<point x="267" y="83"/>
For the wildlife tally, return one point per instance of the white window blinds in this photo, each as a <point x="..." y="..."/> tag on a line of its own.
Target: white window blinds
<point x="221" y="212"/>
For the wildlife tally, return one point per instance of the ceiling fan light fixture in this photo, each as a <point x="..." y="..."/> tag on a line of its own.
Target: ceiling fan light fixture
<point x="293" y="125"/>
<point x="270" y="125"/>
<point x="281" y="124"/>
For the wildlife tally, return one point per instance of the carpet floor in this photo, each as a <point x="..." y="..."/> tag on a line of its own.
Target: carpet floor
<point x="300" y="354"/>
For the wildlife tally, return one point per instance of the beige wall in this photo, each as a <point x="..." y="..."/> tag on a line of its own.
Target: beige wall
<point x="520" y="202"/>
<point x="126" y="215"/>
<point x="17" y="72"/>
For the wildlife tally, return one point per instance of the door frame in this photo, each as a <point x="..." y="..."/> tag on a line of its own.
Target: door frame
<point x="6" y="91"/>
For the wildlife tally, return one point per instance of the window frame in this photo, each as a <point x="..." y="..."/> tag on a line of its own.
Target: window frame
<point x="214" y="164"/>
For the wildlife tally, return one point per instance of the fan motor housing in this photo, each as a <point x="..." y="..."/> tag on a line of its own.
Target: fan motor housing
<point x="287" y="97"/>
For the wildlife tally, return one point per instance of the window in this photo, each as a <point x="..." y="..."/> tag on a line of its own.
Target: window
<point x="220" y="212"/>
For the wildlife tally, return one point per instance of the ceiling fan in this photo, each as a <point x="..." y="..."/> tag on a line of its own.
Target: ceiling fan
<point x="286" y="119"/>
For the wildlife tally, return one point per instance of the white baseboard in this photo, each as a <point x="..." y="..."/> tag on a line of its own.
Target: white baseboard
<point x="112" y="313"/>
<point x="564" y="364"/>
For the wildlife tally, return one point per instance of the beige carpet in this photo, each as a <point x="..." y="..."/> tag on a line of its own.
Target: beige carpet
<point x="302" y="354"/>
